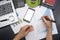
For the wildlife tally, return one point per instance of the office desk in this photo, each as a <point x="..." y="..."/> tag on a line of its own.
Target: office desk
<point x="7" y="33"/>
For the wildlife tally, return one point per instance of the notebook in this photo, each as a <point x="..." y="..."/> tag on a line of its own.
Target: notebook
<point x="51" y="2"/>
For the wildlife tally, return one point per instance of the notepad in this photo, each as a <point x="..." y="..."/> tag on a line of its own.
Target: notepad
<point x="50" y="2"/>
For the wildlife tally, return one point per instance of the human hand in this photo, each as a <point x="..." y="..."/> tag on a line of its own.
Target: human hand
<point x="25" y="30"/>
<point x="47" y="22"/>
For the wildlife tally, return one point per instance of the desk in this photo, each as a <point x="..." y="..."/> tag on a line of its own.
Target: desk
<point x="7" y="33"/>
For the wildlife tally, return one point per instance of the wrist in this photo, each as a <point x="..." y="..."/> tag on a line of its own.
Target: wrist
<point x="49" y="29"/>
<point x="20" y="35"/>
<point x="17" y="37"/>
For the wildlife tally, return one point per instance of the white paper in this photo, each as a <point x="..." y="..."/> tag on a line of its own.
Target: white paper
<point x="38" y="25"/>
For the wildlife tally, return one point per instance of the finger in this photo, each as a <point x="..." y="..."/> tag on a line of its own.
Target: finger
<point x="43" y="18"/>
<point x="46" y="18"/>
<point x="49" y="17"/>
<point x="25" y="27"/>
<point x="31" y="29"/>
<point x="27" y="31"/>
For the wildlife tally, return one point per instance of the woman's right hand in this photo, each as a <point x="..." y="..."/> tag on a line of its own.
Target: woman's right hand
<point x="47" y="22"/>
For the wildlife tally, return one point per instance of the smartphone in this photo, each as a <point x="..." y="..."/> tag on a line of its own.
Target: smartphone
<point x="29" y="14"/>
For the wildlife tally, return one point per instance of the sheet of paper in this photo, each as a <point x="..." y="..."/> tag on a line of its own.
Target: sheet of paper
<point x="38" y="25"/>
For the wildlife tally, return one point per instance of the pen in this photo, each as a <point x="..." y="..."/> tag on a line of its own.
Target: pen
<point x="3" y="20"/>
<point x="53" y="21"/>
<point x="50" y="20"/>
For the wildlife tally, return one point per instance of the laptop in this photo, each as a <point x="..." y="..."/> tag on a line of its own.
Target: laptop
<point x="7" y="13"/>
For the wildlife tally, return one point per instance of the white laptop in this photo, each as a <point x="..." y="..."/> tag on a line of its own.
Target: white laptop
<point x="7" y="13"/>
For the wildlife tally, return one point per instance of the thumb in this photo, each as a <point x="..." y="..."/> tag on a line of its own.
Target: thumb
<point x="43" y="18"/>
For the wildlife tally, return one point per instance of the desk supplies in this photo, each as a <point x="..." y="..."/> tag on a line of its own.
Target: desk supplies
<point x="4" y="20"/>
<point x="38" y="25"/>
<point x="29" y="15"/>
<point x="19" y="3"/>
<point x="33" y="4"/>
<point x="50" y="20"/>
<point x="49" y="3"/>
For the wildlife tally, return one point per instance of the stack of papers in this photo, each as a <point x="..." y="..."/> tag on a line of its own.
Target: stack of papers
<point x="38" y="25"/>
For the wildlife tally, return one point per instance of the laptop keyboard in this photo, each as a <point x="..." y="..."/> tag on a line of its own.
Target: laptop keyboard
<point x="5" y="9"/>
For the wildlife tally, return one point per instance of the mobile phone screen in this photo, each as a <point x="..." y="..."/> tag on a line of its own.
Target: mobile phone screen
<point x="29" y="15"/>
